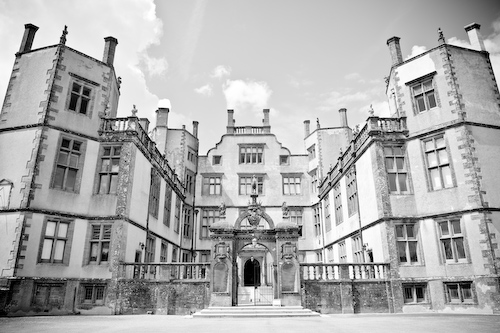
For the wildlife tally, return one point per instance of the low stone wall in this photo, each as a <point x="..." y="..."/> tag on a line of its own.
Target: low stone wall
<point x="155" y="297"/>
<point x="346" y="296"/>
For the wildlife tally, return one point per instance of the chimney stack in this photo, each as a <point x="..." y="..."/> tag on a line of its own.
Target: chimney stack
<point x="109" y="50"/>
<point x="28" y="37"/>
<point x="195" y="129"/>
<point x="265" y="122"/>
<point x="162" y="117"/>
<point x="161" y="129"/>
<point x="475" y="38"/>
<point x="307" y="129"/>
<point x="343" y="117"/>
<point x="395" y="50"/>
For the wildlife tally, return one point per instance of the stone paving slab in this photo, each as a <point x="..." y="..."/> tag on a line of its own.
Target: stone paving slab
<point x="373" y="323"/>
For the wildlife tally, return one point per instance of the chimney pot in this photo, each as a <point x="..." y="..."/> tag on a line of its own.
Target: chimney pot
<point x="109" y="50"/>
<point x="395" y="50"/>
<point x="28" y="37"/>
<point x="475" y="38"/>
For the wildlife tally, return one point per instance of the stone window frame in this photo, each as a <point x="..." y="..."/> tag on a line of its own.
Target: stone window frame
<point x="79" y="167"/>
<point x="190" y="180"/>
<point x="314" y="180"/>
<point x="406" y="241"/>
<point x="178" y="212"/>
<point x="337" y="201"/>
<point x="204" y="256"/>
<point x="437" y="149"/>
<point x="329" y="254"/>
<point x="317" y="219"/>
<point x="150" y="249"/>
<point x="289" y="182"/>
<point x="284" y="159"/>
<point x="217" y="160"/>
<point x="175" y="253"/>
<point x="154" y="193"/>
<point x="84" y="83"/>
<point x="357" y="249"/>
<point x="48" y="284"/>
<point x="254" y="156"/>
<point x="206" y="222"/>
<point x="163" y="251"/>
<point x="352" y="192"/>
<point x="211" y="182"/>
<point x="311" y="152"/>
<point x="96" y="290"/>
<point x="319" y="256"/>
<point x="109" y="172"/>
<point x="327" y="213"/>
<point x="342" y="252"/>
<point x="99" y="241"/>
<point x="191" y="155"/>
<point x="461" y="298"/>
<point x="411" y="293"/>
<point x="68" y="240"/>
<point x="393" y="156"/>
<point x="452" y="236"/>
<point x="187" y="214"/>
<point x="248" y="183"/>
<point x="5" y="193"/>
<point x="167" y="205"/>
<point x="419" y="82"/>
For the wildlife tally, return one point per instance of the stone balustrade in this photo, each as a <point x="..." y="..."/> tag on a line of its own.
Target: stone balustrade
<point x="165" y="271"/>
<point x="250" y="130"/>
<point x="330" y="272"/>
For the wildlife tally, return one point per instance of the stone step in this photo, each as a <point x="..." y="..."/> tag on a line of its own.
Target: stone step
<point x="255" y="311"/>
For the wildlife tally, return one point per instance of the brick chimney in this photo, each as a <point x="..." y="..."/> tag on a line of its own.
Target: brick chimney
<point x="265" y="121"/>
<point x="109" y="50"/>
<point x="343" y="117"/>
<point x="195" y="128"/>
<point x="475" y="38"/>
<point x="395" y="50"/>
<point x="307" y="129"/>
<point x="28" y="37"/>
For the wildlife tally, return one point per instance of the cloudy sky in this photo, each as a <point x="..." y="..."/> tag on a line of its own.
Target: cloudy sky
<point x="301" y="59"/>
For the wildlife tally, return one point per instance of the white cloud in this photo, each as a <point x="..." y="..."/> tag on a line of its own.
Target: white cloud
<point x="299" y="83"/>
<point x="205" y="90"/>
<point x="415" y="51"/>
<point x="221" y="71"/>
<point x="246" y="95"/>
<point x="164" y="103"/>
<point x="352" y="76"/>
<point x="154" y="66"/>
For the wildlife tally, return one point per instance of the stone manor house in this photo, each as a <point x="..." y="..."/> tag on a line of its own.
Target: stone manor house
<point x="105" y="214"/>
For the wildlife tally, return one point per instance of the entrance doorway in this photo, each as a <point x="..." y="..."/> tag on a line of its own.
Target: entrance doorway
<point x="251" y="274"/>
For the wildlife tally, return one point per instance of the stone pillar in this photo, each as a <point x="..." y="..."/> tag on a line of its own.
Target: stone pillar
<point x="288" y="268"/>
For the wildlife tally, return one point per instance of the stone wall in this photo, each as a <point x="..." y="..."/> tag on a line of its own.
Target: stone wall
<point x="346" y="297"/>
<point x="172" y="298"/>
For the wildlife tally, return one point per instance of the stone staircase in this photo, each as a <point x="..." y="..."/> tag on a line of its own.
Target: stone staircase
<point x="255" y="312"/>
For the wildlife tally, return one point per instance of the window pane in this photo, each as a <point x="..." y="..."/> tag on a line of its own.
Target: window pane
<point x="115" y="165"/>
<point x="50" y="229"/>
<point x="106" y="233"/>
<point x="62" y="158"/>
<point x="76" y="145"/>
<point x="93" y="251"/>
<point x="444" y="228"/>
<point x="427" y="85"/>
<point x="88" y="293"/>
<point x="59" y="250"/>
<point x="440" y="142"/>
<point x="413" y="251"/>
<point x="399" y="231"/>
<point x="448" y="253"/>
<point x="104" y="251"/>
<point x="400" y="163"/>
<point x="389" y="163"/>
<point x="435" y="179"/>
<point x="114" y="184"/>
<point x="402" y="252"/>
<point x="47" y="249"/>
<point x="417" y="89"/>
<point x="103" y="187"/>
<point x="443" y="156"/>
<point x="408" y="291"/>
<point x="459" y="244"/>
<point x="388" y="151"/>
<point x="419" y="290"/>
<point x="86" y="91"/>
<point x="76" y="87"/>
<point x="429" y="145"/>
<point x="402" y="182"/>
<point x="448" y="181"/>
<point x="83" y="105"/>
<point x="409" y="231"/>
<point x="63" y="230"/>
<point x="71" y="179"/>
<point x="453" y="292"/>
<point x="431" y="99"/>
<point x="73" y="160"/>
<point x="466" y="292"/>
<point x="432" y="159"/>
<point x="73" y="101"/>
<point x="392" y="182"/>
<point x="420" y="103"/>
<point x="105" y="165"/>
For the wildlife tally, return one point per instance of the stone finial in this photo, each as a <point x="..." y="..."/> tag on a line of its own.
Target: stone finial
<point x="441" y="39"/>
<point x="317" y="123"/>
<point x="62" y="40"/>
<point x="285" y="210"/>
<point x="134" y="111"/>
<point x="371" y="111"/>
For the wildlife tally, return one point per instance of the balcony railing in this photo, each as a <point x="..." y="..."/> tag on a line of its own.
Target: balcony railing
<point x="331" y="272"/>
<point x="133" y="124"/>
<point x="249" y="129"/>
<point x="165" y="271"/>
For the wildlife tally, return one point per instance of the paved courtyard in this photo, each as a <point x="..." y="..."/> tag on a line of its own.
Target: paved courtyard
<point x="373" y="323"/>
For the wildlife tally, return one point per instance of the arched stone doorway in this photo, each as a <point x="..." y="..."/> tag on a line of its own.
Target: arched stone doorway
<point x="251" y="273"/>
